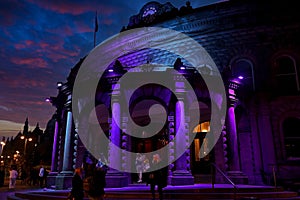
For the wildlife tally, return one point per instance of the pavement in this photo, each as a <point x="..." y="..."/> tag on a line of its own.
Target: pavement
<point x="5" y="192"/>
<point x="141" y="188"/>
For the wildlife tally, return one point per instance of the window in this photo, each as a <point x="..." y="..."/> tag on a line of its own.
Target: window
<point x="203" y="127"/>
<point x="286" y="75"/>
<point x="291" y="131"/>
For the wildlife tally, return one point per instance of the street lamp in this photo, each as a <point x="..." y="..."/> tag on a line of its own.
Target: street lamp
<point x="2" y="145"/>
<point x="25" y="143"/>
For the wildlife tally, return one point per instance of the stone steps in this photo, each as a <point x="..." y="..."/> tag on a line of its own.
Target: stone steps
<point x="174" y="192"/>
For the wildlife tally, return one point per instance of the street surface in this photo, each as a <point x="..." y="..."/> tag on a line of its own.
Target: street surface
<point x="4" y="191"/>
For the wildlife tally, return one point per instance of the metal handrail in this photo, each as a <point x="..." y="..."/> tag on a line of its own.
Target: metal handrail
<point x="225" y="176"/>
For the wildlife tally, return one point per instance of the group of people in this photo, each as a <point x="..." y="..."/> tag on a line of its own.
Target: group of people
<point x="92" y="182"/>
<point x="34" y="177"/>
<point x="155" y="177"/>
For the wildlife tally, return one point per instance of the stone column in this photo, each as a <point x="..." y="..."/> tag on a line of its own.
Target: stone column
<point x="234" y="161"/>
<point x="182" y="175"/>
<point x="64" y="178"/>
<point x="114" y="177"/>
<point x="67" y="168"/>
<point x="53" y="173"/>
<point x="171" y="131"/>
<point x="257" y="165"/>
<point x="126" y="165"/>
<point x="54" y="148"/>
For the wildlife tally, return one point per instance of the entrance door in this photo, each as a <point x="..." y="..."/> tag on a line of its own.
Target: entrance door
<point x="200" y="160"/>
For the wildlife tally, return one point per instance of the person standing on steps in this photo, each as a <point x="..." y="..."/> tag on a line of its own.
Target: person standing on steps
<point x="77" y="185"/>
<point x="157" y="177"/>
<point x="96" y="182"/>
<point x="139" y="163"/>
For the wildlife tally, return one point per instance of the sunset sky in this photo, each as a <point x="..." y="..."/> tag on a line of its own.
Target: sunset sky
<point x="41" y="40"/>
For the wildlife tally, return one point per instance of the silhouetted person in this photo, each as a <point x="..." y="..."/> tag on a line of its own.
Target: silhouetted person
<point x="77" y="185"/>
<point x="23" y="176"/>
<point x="157" y="177"/>
<point x="41" y="176"/>
<point x="98" y="183"/>
<point x="2" y="176"/>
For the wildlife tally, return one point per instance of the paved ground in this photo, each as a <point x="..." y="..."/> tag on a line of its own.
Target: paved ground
<point x="4" y="191"/>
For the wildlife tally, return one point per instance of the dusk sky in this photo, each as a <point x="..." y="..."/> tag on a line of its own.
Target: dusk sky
<point x="41" y="40"/>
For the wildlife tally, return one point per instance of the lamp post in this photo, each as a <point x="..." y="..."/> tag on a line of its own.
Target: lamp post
<point x="2" y="145"/>
<point x="25" y="143"/>
<point x="25" y="147"/>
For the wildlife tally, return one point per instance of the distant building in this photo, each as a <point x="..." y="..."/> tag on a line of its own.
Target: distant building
<point x="28" y="148"/>
<point x="256" y="47"/>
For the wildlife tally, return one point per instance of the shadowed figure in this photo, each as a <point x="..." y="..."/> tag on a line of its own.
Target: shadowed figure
<point x="158" y="177"/>
<point x="77" y="185"/>
<point x="95" y="182"/>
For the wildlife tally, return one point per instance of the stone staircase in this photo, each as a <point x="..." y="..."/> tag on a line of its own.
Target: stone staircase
<point x="197" y="191"/>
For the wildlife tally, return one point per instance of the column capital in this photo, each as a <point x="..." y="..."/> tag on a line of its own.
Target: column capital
<point x="180" y="89"/>
<point x="231" y="91"/>
<point x="68" y="103"/>
<point x="115" y="93"/>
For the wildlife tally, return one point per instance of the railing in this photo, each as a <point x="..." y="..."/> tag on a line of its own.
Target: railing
<point x="225" y="176"/>
<point x="277" y="171"/>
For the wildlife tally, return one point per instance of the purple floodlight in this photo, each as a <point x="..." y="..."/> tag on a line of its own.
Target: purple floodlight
<point x="110" y="70"/>
<point x="241" y="77"/>
<point x="182" y="67"/>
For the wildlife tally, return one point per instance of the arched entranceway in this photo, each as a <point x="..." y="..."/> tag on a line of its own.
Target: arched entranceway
<point x="147" y="142"/>
<point x="201" y="157"/>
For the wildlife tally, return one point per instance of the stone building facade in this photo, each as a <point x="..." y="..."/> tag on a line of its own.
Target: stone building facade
<point x="254" y="45"/>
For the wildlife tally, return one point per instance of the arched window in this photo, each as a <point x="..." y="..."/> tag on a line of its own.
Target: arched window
<point x="286" y="74"/>
<point x="291" y="131"/>
<point x="243" y="68"/>
<point x="203" y="127"/>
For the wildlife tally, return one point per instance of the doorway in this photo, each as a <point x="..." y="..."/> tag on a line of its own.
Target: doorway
<point x="200" y="155"/>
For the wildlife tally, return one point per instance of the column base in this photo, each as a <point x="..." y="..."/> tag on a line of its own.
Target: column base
<point x="51" y="179"/>
<point x="237" y="177"/>
<point x="64" y="180"/>
<point x="115" y="179"/>
<point x="181" y="177"/>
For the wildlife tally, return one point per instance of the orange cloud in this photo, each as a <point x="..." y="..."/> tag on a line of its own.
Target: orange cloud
<point x="30" y="62"/>
<point x="75" y="8"/>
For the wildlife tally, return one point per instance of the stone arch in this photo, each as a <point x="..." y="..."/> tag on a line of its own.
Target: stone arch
<point x="204" y="107"/>
<point x="243" y="66"/>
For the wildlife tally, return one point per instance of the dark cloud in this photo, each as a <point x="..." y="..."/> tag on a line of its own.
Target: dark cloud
<point x="42" y="40"/>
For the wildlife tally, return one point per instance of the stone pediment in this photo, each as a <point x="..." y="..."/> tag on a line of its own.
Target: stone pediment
<point x="152" y="12"/>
